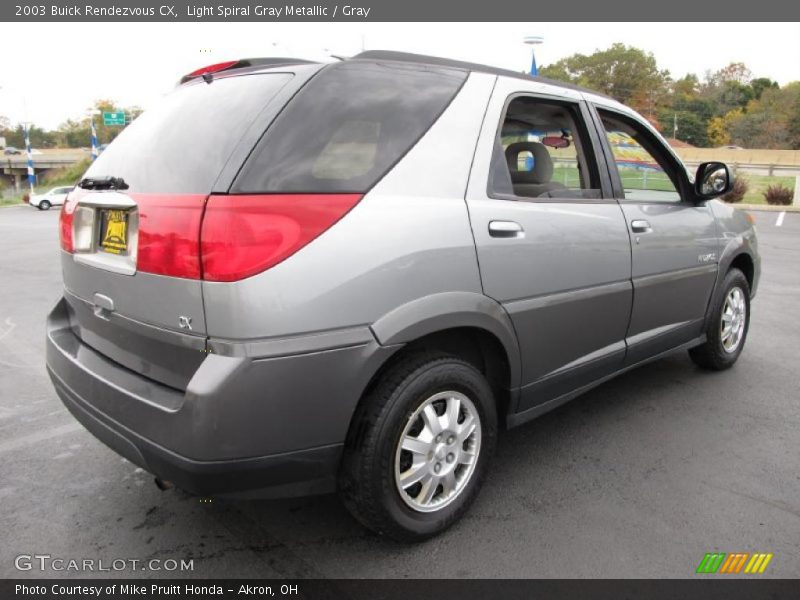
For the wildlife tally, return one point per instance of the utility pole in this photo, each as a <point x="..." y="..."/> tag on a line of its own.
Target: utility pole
<point x="91" y="112"/>
<point x="31" y="175"/>
<point x="94" y="140"/>
<point x="675" y="126"/>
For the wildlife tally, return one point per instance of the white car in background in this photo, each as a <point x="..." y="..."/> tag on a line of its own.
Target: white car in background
<point x="54" y="197"/>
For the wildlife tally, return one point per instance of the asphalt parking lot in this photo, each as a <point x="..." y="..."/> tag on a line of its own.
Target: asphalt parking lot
<point x="638" y="478"/>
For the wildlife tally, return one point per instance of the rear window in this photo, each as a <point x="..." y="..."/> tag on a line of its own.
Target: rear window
<point x="181" y="145"/>
<point x="347" y="127"/>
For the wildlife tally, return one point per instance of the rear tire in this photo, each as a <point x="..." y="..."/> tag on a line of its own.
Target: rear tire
<point x="727" y="327"/>
<point x="44" y="205"/>
<point x="431" y="419"/>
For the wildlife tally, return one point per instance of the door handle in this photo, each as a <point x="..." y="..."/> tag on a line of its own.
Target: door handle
<point x="506" y="229"/>
<point x="641" y="226"/>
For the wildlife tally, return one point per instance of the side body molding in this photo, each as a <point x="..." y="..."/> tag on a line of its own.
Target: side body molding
<point x="449" y="310"/>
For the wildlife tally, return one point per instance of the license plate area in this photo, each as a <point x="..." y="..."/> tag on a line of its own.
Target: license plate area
<point x="113" y="230"/>
<point x="106" y="232"/>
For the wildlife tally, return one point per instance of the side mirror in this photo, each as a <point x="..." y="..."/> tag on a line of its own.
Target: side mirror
<point x="713" y="179"/>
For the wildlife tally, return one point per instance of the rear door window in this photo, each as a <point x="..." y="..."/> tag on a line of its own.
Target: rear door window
<point x="542" y="151"/>
<point x="181" y="144"/>
<point x="347" y="127"/>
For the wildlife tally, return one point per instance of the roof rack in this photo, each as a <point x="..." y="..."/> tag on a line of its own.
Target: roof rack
<point x="467" y="66"/>
<point x="389" y="55"/>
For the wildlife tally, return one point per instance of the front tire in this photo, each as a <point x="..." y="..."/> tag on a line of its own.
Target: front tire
<point x="728" y="325"/>
<point x="419" y="447"/>
<point x="44" y="205"/>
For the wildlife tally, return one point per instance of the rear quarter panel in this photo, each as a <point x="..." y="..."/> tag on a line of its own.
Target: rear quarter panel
<point x="408" y="238"/>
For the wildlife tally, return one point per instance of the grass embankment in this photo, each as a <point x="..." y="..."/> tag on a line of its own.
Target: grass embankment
<point x="55" y="177"/>
<point x="758" y="184"/>
<point x="10" y="200"/>
<point x="633" y="179"/>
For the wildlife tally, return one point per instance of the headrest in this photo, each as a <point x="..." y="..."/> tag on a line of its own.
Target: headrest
<point x="542" y="171"/>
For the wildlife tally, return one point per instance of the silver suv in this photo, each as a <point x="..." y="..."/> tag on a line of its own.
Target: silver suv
<point x="293" y="278"/>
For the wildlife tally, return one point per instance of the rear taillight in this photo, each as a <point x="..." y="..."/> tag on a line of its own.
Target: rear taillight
<point x="65" y="223"/>
<point x="168" y="236"/>
<point x="244" y="235"/>
<point x="236" y="236"/>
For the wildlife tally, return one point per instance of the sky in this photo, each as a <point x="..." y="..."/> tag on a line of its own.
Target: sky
<point x="50" y="72"/>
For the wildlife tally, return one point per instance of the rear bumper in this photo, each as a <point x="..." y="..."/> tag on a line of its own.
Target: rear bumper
<point x="293" y="473"/>
<point x="244" y="426"/>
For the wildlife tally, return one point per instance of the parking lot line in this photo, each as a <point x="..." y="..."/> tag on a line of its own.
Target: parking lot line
<point x="779" y="222"/>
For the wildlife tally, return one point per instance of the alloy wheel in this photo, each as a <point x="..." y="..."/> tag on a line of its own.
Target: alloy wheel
<point x="438" y="451"/>
<point x="734" y="317"/>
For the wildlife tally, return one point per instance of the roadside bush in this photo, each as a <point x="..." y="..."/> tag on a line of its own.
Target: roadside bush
<point x="26" y="198"/>
<point x="739" y="189"/>
<point x="778" y="195"/>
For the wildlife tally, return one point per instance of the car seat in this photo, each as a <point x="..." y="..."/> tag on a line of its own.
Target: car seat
<point x="536" y="181"/>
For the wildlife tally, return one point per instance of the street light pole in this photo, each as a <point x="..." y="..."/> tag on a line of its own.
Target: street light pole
<point x="533" y="40"/>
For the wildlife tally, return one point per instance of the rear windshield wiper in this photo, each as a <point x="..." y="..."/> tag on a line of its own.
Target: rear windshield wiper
<point x="103" y="183"/>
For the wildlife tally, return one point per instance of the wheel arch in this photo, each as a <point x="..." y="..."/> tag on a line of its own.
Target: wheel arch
<point x="448" y="314"/>
<point x="744" y="262"/>
<point x="738" y="254"/>
<point x="468" y="325"/>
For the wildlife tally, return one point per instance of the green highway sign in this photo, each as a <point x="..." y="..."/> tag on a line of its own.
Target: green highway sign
<point x="113" y="118"/>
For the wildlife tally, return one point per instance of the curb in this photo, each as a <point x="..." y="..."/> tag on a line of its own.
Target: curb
<point x="793" y="208"/>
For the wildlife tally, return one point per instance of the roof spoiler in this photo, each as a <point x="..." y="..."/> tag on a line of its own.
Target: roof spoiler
<point x="241" y="64"/>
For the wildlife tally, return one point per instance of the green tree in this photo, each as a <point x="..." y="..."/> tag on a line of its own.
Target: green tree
<point x="735" y="72"/>
<point x="692" y="127"/>
<point x="39" y="137"/>
<point x="691" y="111"/>
<point x="625" y="73"/>
<point x="732" y="95"/>
<point x="762" y="83"/>
<point x="728" y="88"/>
<point x="719" y="128"/>
<point x="686" y="87"/>
<point x="768" y="122"/>
<point x="77" y="133"/>
<point x="74" y="134"/>
<point x="794" y="125"/>
<point x="729" y="106"/>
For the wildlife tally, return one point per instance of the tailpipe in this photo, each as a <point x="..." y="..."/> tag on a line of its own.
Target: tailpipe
<point x="164" y="485"/>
